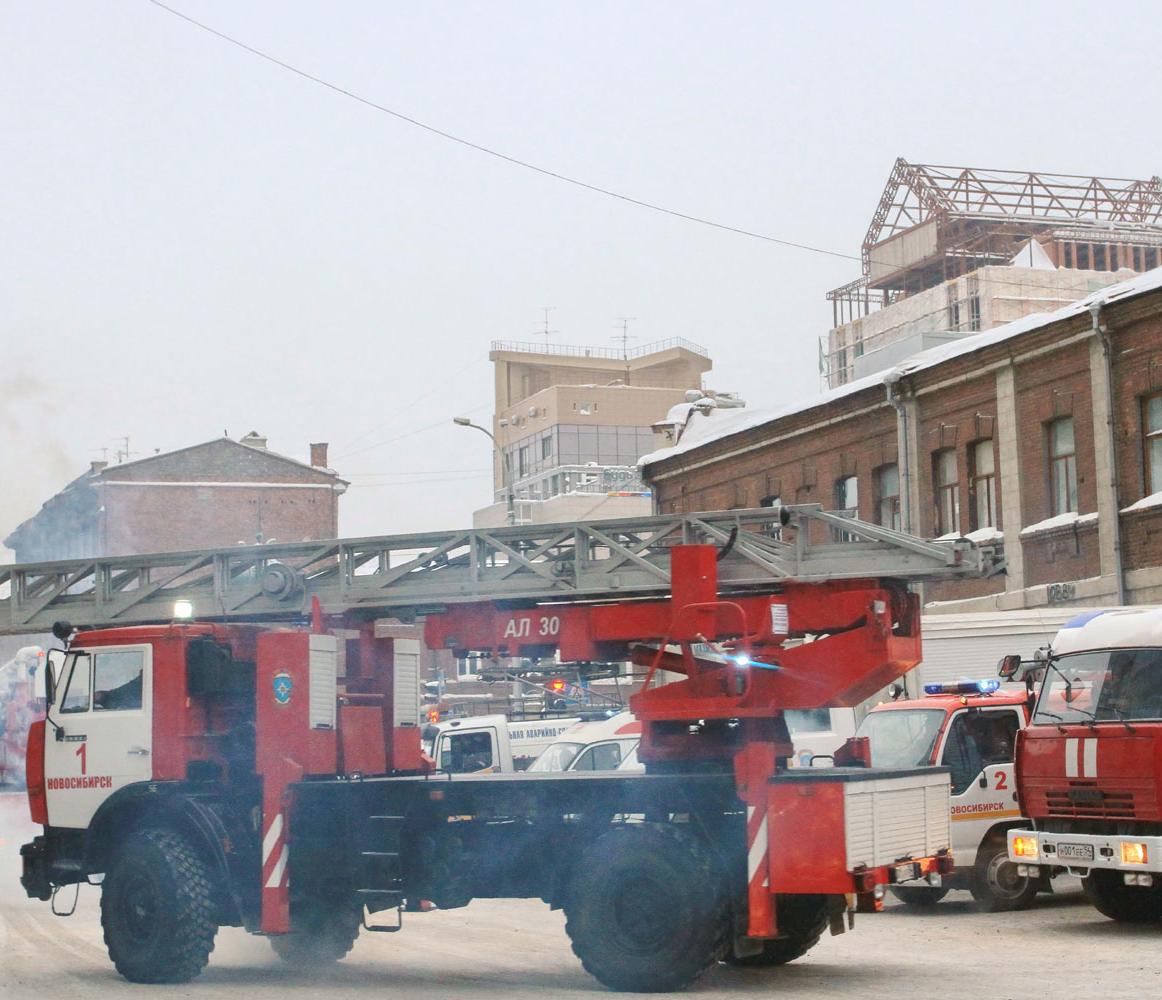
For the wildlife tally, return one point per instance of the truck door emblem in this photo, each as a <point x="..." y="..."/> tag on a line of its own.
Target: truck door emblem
<point x="283" y="686"/>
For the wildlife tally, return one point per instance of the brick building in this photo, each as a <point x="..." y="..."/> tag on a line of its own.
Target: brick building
<point x="210" y="495"/>
<point x="1043" y="435"/>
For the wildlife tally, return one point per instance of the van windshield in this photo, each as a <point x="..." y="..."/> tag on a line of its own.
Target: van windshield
<point x="902" y="737"/>
<point x="1119" y="685"/>
<point x="556" y="757"/>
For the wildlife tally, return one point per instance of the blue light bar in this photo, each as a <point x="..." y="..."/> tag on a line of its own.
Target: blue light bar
<point x="964" y="687"/>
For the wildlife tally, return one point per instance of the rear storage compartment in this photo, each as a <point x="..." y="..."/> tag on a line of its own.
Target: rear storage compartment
<point x="839" y="829"/>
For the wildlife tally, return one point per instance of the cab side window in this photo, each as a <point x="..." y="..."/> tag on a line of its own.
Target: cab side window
<point x="117" y="678"/>
<point x="77" y="685"/>
<point x="976" y="739"/>
<point x="962" y="755"/>
<point x="998" y="736"/>
<point x="466" y="752"/>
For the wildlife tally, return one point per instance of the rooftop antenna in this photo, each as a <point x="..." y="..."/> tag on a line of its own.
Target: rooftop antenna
<point x="124" y="454"/>
<point x="545" y="331"/>
<point x="625" y="336"/>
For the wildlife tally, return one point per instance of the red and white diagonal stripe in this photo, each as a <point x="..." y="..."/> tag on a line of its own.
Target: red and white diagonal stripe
<point x="274" y="854"/>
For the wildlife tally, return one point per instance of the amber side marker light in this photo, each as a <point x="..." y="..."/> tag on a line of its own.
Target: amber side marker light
<point x="1025" y="847"/>
<point x="1133" y="854"/>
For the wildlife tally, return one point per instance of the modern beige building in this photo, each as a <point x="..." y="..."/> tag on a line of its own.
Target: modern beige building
<point x="571" y="422"/>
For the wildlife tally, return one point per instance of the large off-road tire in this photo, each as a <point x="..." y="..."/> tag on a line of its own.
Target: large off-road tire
<point x="157" y="909"/>
<point x="996" y="886"/>
<point x="1127" y="904"/>
<point x="319" y="934"/>
<point x="802" y="921"/>
<point x="646" y="910"/>
<point x="919" y="897"/>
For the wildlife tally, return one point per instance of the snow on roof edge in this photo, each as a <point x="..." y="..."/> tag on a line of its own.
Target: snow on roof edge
<point x="737" y="421"/>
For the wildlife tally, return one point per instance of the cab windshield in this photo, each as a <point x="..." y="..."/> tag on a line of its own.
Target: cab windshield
<point x="1119" y="685"/>
<point x="902" y="737"/>
<point x="556" y="757"/>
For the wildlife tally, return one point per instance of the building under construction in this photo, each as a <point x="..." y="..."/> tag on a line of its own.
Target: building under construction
<point x="953" y="250"/>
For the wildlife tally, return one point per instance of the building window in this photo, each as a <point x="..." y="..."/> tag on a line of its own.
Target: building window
<point x="523" y="461"/>
<point x="774" y="528"/>
<point x="888" y="495"/>
<point x="547" y="446"/>
<point x="983" y="485"/>
<point x="847" y="496"/>
<point x="1062" y="466"/>
<point x="973" y="302"/>
<point x="947" y="480"/>
<point x="952" y="294"/>
<point x="846" y="503"/>
<point x="1152" y="442"/>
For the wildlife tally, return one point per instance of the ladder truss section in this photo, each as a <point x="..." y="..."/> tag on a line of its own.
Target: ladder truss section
<point x="407" y="575"/>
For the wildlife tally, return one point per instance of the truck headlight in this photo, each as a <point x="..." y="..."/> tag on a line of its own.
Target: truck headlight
<point x="1025" y="847"/>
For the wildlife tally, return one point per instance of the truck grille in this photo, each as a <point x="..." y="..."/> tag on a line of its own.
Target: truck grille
<point x="1089" y="802"/>
<point x="1125" y="799"/>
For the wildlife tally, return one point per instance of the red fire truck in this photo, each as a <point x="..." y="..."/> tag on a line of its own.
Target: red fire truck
<point x="1087" y="766"/>
<point x="221" y="769"/>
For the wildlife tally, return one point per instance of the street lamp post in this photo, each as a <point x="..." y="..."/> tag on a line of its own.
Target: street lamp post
<point x="505" y="467"/>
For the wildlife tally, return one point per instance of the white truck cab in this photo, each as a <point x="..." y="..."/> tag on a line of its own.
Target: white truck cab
<point x="970" y="727"/>
<point x="490" y="743"/>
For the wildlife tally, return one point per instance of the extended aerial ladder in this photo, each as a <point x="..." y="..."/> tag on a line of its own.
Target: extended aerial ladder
<point x="409" y="576"/>
<point x="326" y="804"/>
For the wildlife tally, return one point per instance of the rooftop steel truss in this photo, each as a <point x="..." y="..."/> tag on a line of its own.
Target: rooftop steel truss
<point x="407" y="575"/>
<point x="918" y="192"/>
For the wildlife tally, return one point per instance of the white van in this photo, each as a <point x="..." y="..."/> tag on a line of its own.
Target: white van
<point x="490" y="743"/>
<point x="612" y="744"/>
<point x="604" y="745"/>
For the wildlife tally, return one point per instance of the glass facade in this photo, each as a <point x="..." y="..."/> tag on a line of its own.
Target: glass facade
<point x="577" y="444"/>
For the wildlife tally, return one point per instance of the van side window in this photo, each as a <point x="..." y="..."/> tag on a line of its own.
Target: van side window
<point x="117" y="678"/>
<point x="599" y="757"/>
<point x="77" y="685"/>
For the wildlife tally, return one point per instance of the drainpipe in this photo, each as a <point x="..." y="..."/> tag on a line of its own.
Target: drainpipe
<point x="1102" y="333"/>
<point x="891" y="379"/>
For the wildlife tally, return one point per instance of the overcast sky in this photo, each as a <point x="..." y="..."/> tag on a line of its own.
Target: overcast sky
<point x="195" y="241"/>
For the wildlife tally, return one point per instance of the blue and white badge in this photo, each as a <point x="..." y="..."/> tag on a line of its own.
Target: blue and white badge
<point x="283" y="686"/>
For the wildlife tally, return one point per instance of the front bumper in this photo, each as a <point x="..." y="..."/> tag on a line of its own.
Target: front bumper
<point x="34" y="875"/>
<point x="1080" y="852"/>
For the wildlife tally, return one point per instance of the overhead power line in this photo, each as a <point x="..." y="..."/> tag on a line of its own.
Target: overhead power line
<point x="515" y="161"/>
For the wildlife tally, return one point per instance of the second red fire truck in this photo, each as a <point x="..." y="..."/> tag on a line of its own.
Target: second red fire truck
<point x="1089" y="768"/>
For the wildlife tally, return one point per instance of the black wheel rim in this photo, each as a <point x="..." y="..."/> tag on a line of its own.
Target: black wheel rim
<point x="643" y="913"/>
<point x="140" y="908"/>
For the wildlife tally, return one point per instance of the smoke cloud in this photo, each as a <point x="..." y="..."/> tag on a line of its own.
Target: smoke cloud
<point x="35" y="464"/>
